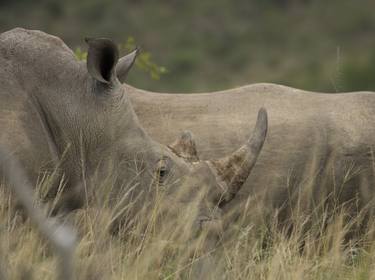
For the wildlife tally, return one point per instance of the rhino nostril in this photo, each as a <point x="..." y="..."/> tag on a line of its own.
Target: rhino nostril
<point x="204" y="219"/>
<point x="208" y="223"/>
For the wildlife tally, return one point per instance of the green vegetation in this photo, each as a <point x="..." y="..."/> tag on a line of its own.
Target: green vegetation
<point x="210" y="45"/>
<point x="144" y="60"/>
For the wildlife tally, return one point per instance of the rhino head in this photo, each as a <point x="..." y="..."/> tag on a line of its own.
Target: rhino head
<point x="94" y="135"/>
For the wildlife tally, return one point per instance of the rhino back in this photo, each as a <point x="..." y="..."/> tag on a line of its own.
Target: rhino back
<point x="27" y="69"/>
<point x="221" y="121"/>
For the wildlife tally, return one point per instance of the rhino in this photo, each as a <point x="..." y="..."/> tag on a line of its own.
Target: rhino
<point x="74" y="121"/>
<point x="319" y="149"/>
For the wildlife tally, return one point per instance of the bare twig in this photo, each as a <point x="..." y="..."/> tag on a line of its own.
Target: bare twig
<point x="62" y="237"/>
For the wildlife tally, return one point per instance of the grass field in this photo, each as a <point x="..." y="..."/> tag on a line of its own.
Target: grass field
<point x="156" y="248"/>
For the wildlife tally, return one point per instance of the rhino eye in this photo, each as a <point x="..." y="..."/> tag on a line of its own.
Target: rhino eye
<point x="162" y="174"/>
<point x="162" y="170"/>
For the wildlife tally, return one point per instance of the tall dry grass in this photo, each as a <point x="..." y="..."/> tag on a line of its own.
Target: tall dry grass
<point x="156" y="246"/>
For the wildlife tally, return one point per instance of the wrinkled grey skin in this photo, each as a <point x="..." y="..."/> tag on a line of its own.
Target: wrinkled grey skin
<point x="60" y="114"/>
<point x="319" y="146"/>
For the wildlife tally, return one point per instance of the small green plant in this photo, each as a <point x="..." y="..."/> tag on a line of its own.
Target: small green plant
<point x="80" y="54"/>
<point x="144" y="60"/>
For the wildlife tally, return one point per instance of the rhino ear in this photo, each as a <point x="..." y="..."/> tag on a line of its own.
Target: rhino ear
<point x="125" y="64"/>
<point x="102" y="58"/>
<point x="185" y="147"/>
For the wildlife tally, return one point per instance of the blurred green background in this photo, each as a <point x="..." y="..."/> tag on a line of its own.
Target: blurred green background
<point x="321" y="45"/>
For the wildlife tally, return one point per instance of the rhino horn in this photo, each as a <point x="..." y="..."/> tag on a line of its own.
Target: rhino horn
<point x="102" y="57"/>
<point x="125" y="64"/>
<point x="235" y="169"/>
<point x="185" y="147"/>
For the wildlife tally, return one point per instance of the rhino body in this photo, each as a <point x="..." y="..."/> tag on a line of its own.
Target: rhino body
<point x="73" y="123"/>
<point x="319" y="147"/>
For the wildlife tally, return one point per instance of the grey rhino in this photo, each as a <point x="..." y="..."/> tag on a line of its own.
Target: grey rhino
<point x="319" y="149"/>
<point x="74" y="120"/>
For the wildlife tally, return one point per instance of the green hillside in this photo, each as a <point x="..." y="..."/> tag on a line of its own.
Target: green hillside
<point x="210" y="45"/>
